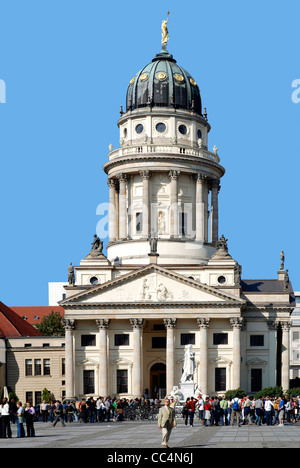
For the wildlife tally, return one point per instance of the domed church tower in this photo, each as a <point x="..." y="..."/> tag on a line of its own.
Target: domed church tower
<point x="168" y="285"/>
<point x="163" y="181"/>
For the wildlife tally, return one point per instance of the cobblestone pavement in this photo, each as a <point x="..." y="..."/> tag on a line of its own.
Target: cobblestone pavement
<point x="146" y="435"/>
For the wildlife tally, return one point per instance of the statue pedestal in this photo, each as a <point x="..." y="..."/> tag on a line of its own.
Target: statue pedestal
<point x="187" y="389"/>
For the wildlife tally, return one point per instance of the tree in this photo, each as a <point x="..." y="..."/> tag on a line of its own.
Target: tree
<point x="52" y="325"/>
<point x="47" y="396"/>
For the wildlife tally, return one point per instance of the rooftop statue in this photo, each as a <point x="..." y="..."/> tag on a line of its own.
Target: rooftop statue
<point x="165" y="32"/>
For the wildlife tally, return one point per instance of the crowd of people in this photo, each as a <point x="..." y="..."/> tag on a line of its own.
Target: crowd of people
<point x="215" y="411"/>
<point x="84" y="411"/>
<point x="212" y="411"/>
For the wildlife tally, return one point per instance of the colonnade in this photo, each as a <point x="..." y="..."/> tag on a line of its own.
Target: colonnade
<point x="137" y="356"/>
<point x="119" y="213"/>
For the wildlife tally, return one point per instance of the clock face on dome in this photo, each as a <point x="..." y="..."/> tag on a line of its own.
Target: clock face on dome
<point x="161" y="76"/>
<point x="144" y="77"/>
<point x="179" y="78"/>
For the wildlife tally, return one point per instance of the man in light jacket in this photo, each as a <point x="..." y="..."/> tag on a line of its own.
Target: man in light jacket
<point x="166" y="422"/>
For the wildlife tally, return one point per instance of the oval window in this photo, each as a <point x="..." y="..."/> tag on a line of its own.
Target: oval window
<point x="94" y="281"/>
<point x="161" y="127"/>
<point x="221" y="280"/>
<point x="182" y="129"/>
<point x="139" y="128"/>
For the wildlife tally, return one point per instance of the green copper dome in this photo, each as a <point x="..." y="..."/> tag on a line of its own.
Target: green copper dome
<point x="163" y="83"/>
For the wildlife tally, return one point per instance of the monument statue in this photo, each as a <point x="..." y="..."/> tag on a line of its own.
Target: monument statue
<point x="153" y="245"/>
<point x="282" y="258"/>
<point x="222" y="244"/>
<point x="165" y="32"/>
<point x="97" y="245"/>
<point x="71" y="275"/>
<point x="189" y="365"/>
<point x="177" y="394"/>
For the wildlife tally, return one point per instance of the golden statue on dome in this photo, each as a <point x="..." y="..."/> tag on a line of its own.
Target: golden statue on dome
<point x="165" y="32"/>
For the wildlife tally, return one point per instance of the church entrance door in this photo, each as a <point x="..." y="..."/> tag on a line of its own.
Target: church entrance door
<point x="158" y="381"/>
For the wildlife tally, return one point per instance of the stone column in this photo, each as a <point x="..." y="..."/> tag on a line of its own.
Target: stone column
<point x="203" y="325"/>
<point x="103" y="357"/>
<point x="112" y="210"/>
<point x="285" y="363"/>
<point x="146" y="175"/>
<point x="170" y="324"/>
<point x="174" y="221"/>
<point x="200" y="209"/>
<point x="272" y="326"/>
<point x="237" y="325"/>
<point x="137" y="368"/>
<point x="122" y="206"/>
<point x="69" y="357"/>
<point x="215" y="187"/>
<point x="117" y="210"/>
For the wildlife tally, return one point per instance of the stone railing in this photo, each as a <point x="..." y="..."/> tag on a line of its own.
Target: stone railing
<point x="163" y="149"/>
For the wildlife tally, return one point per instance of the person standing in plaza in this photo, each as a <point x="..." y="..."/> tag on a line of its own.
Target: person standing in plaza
<point x="166" y="422"/>
<point x="190" y="411"/>
<point x="216" y="410"/>
<point x="268" y="411"/>
<point x="236" y="411"/>
<point x="201" y="409"/>
<point x="259" y="411"/>
<point x="20" y="420"/>
<point x="29" y="417"/>
<point x="281" y="412"/>
<point x="207" y="412"/>
<point x="247" y="411"/>
<point x="223" y="411"/>
<point x="44" y="411"/>
<point x="5" y="419"/>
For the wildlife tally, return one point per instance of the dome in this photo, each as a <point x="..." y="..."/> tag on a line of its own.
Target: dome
<point x="163" y="83"/>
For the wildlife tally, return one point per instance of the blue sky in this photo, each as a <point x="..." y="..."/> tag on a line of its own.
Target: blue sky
<point x="66" y="66"/>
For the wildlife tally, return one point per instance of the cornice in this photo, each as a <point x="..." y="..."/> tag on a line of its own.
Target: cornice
<point x="151" y="305"/>
<point x="152" y="157"/>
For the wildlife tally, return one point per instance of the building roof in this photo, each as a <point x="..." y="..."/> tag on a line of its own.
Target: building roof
<point x="265" y="286"/>
<point x="34" y="315"/>
<point x="12" y="325"/>
<point x="163" y="83"/>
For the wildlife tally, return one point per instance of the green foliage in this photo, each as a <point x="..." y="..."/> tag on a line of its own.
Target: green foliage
<point x="47" y="396"/>
<point x="293" y="392"/>
<point x="272" y="392"/>
<point x="52" y="325"/>
<point x="11" y="395"/>
<point x="238" y="393"/>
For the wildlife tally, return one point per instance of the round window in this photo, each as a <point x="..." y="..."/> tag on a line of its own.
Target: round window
<point x="139" y="128"/>
<point x="221" y="280"/>
<point x="182" y="129"/>
<point x="161" y="127"/>
<point x="94" y="281"/>
<point x="199" y="134"/>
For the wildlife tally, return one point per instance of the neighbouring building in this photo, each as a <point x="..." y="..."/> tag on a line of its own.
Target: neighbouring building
<point x="295" y="342"/>
<point x="29" y="361"/>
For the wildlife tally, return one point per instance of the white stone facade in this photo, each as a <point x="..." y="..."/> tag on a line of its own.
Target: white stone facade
<point x="130" y="316"/>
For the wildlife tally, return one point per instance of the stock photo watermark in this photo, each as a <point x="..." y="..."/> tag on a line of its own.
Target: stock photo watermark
<point x="162" y="221"/>
<point x="2" y="92"/>
<point x="296" y="93"/>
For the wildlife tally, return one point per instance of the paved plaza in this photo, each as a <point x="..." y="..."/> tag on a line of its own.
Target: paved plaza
<point x="145" y="434"/>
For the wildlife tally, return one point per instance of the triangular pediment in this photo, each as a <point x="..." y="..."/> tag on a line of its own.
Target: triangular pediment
<point x="152" y="284"/>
